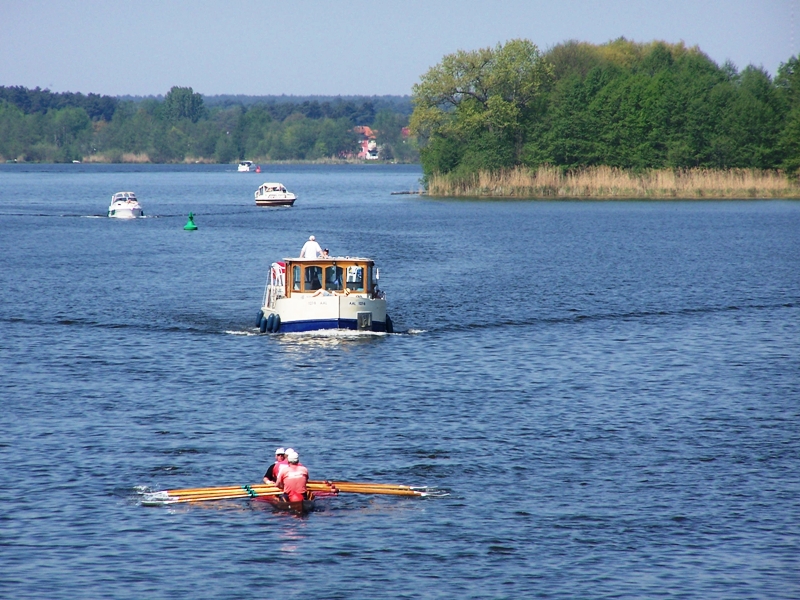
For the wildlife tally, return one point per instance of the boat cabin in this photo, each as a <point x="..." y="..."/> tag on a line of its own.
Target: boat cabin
<point x="123" y="197"/>
<point x="270" y="187"/>
<point x="328" y="276"/>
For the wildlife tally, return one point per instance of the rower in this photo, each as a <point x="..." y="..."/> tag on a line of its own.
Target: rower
<point x="272" y="472"/>
<point x="293" y="478"/>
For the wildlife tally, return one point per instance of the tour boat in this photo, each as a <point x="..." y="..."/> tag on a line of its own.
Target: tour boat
<point x="245" y="166"/>
<point x="311" y="294"/>
<point x="124" y="205"/>
<point x="274" y="194"/>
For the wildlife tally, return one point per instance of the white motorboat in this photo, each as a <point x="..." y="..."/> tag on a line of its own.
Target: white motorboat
<point x="124" y="205"/>
<point x="245" y="166"/>
<point x="274" y="194"/>
<point x="310" y="294"/>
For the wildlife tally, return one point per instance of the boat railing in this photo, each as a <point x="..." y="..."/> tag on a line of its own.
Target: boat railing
<point x="276" y="284"/>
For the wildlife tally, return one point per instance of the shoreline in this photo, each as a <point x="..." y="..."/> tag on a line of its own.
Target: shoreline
<point x="609" y="183"/>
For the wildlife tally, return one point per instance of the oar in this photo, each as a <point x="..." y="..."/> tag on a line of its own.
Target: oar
<point x="220" y="488"/>
<point x="365" y="484"/>
<point x="202" y="498"/>
<point x="218" y="493"/>
<point x="363" y="489"/>
<point x="203" y="492"/>
<point x="152" y="500"/>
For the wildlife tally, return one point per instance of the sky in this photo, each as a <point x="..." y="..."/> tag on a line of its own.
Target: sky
<point x="331" y="47"/>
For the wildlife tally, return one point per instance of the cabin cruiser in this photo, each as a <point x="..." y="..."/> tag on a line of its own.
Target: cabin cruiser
<point x="245" y="166"/>
<point x="310" y="294"/>
<point x="124" y="205"/>
<point x="274" y="194"/>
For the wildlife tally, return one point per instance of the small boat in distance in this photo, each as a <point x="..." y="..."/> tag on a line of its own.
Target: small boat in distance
<point x="311" y="294"/>
<point x="124" y="205"/>
<point x="274" y="194"/>
<point x="245" y="166"/>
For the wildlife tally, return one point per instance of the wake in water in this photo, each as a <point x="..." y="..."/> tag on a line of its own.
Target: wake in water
<point x="340" y="334"/>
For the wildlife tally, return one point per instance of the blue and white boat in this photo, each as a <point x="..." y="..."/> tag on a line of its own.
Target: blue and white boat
<point x="311" y="294"/>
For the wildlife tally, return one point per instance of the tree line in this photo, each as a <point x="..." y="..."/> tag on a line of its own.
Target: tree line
<point x="39" y="125"/>
<point x="621" y="104"/>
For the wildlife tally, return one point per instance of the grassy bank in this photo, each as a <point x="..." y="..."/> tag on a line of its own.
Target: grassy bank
<point x="608" y="182"/>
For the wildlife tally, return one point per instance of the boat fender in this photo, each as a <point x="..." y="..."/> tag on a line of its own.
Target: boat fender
<point x="263" y="326"/>
<point x="259" y="317"/>
<point x="276" y="324"/>
<point x="270" y="322"/>
<point x="389" y="325"/>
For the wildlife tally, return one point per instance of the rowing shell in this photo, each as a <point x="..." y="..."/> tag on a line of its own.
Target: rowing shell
<point x="301" y="508"/>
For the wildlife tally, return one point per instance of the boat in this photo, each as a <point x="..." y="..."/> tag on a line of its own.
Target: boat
<point x="323" y="293"/>
<point x="274" y="194"/>
<point x="245" y="166"/>
<point x="124" y="205"/>
<point x="278" y="503"/>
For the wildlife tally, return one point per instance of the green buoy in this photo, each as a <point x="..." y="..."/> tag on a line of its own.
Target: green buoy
<point x="190" y="226"/>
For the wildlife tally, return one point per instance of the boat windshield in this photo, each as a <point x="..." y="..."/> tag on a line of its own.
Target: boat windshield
<point x="355" y="278"/>
<point x="331" y="277"/>
<point x="313" y="279"/>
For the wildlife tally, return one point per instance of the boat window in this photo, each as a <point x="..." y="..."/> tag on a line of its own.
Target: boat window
<point x="333" y="278"/>
<point x="296" y="278"/>
<point x="355" y="278"/>
<point x="313" y="278"/>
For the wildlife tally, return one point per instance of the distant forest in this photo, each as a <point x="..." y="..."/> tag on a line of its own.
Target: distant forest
<point x="621" y="104"/>
<point x="43" y="126"/>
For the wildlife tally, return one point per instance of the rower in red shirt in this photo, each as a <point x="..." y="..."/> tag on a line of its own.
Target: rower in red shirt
<point x="293" y="478"/>
<point x="272" y="472"/>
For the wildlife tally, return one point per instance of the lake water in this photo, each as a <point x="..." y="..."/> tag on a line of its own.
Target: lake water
<point x="609" y="392"/>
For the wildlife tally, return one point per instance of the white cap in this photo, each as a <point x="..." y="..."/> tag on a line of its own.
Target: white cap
<point x="280" y="451"/>
<point x="311" y="238"/>
<point x="292" y="456"/>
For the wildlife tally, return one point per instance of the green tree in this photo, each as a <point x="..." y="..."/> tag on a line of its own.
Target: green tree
<point x="477" y="98"/>
<point x="14" y="131"/>
<point x="787" y="82"/>
<point x="184" y="103"/>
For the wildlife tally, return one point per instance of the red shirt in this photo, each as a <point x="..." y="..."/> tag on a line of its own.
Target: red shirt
<point x="292" y="480"/>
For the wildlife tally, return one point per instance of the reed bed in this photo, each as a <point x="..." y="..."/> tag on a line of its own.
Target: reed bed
<point x="610" y="182"/>
<point x="117" y="157"/>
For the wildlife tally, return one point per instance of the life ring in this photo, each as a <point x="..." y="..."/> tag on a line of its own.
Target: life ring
<point x="276" y="324"/>
<point x="259" y="317"/>
<point x="389" y="325"/>
<point x="270" y="322"/>
<point x="263" y="325"/>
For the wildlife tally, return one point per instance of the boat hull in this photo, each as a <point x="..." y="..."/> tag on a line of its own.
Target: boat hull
<point x="319" y="325"/>
<point x="304" y="312"/>
<point x="303" y="507"/>
<point x="124" y="213"/>
<point x="276" y="202"/>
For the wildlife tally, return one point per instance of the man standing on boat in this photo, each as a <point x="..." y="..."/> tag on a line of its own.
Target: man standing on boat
<point x="272" y="472"/>
<point x="293" y="478"/>
<point x="311" y="249"/>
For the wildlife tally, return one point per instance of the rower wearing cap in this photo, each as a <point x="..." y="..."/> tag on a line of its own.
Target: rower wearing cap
<point x="272" y="472"/>
<point x="292" y="479"/>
